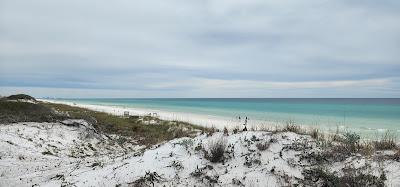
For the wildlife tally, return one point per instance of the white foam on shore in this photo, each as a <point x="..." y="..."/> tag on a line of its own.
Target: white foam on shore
<point x="198" y="119"/>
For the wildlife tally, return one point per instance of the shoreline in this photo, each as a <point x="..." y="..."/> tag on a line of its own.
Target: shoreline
<point x="220" y="122"/>
<point x="198" y="119"/>
<point x="74" y="151"/>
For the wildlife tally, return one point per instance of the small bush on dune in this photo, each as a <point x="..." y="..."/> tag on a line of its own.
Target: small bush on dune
<point x="211" y="131"/>
<point x="21" y="96"/>
<point x="262" y="146"/>
<point x="351" y="141"/>
<point x="235" y="130"/>
<point x="226" y="133"/>
<point x="351" y="177"/>
<point x="216" y="149"/>
<point x="150" y="179"/>
<point x="351" y="138"/>
<point x="366" y="148"/>
<point x="47" y="152"/>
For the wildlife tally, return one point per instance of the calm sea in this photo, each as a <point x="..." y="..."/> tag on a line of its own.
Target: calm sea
<point x="368" y="116"/>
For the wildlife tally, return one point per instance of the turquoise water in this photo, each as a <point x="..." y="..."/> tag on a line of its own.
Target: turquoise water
<point x="368" y="116"/>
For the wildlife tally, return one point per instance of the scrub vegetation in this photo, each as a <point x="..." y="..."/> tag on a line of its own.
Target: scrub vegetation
<point x="148" y="130"/>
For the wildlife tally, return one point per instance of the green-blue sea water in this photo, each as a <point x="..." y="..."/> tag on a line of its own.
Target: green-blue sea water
<point x="368" y="116"/>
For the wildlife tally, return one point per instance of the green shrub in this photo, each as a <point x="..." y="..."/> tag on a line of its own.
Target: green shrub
<point x="351" y="138"/>
<point x="20" y="96"/>
<point x="13" y="112"/>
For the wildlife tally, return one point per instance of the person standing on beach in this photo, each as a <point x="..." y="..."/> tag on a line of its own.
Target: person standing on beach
<point x="245" y="124"/>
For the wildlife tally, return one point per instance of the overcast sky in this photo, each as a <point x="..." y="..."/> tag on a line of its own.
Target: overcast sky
<point x="200" y="48"/>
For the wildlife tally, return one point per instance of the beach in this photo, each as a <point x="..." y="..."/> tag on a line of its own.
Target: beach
<point x="58" y="143"/>
<point x="371" y="118"/>
<point x="204" y="120"/>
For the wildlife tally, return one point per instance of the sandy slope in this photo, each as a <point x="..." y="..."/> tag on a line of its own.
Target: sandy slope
<point x="73" y="153"/>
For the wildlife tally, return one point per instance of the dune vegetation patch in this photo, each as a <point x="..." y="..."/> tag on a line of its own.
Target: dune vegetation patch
<point x="137" y="127"/>
<point x="12" y="112"/>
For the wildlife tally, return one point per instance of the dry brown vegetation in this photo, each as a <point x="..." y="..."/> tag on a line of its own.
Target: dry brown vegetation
<point x="292" y="127"/>
<point x="135" y="126"/>
<point x="386" y="142"/>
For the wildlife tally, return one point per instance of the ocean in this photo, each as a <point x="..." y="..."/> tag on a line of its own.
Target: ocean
<point x="370" y="117"/>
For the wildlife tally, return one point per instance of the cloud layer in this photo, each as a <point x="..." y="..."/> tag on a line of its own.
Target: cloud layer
<point x="191" y="48"/>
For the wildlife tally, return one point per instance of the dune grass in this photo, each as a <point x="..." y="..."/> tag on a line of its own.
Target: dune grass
<point x="137" y="127"/>
<point x="12" y="112"/>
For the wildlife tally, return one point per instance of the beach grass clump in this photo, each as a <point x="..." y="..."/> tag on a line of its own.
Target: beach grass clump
<point x="386" y="142"/>
<point x="263" y="146"/>
<point x="216" y="149"/>
<point x="343" y="145"/>
<point x="211" y="131"/>
<point x="226" y="132"/>
<point x="292" y="127"/>
<point x="350" y="177"/>
<point x="350" y="142"/>
<point x="315" y="134"/>
<point x="149" y="179"/>
<point x="366" y="148"/>
<point x="47" y="152"/>
<point x="235" y="130"/>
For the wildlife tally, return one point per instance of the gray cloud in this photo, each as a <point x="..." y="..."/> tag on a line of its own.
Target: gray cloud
<point x="201" y="48"/>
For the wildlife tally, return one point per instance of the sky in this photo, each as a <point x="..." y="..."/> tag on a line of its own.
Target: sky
<point x="200" y="48"/>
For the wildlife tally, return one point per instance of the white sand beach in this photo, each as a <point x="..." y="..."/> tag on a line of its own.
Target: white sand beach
<point x="74" y="152"/>
<point x="203" y="120"/>
<point x="52" y="154"/>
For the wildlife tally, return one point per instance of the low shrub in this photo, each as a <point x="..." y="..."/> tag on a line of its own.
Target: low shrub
<point x="351" y="141"/>
<point x="216" y="149"/>
<point x="235" y="130"/>
<point x="351" y="138"/>
<point x="21" y="96"/>
<point x="351" y="177"/>
<point x="187" y="143"/>
<point x="150" y="179"/>
<point x="47" y="153"/>
<point x="226" y="133"/>
<point x="262" y="146"/>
